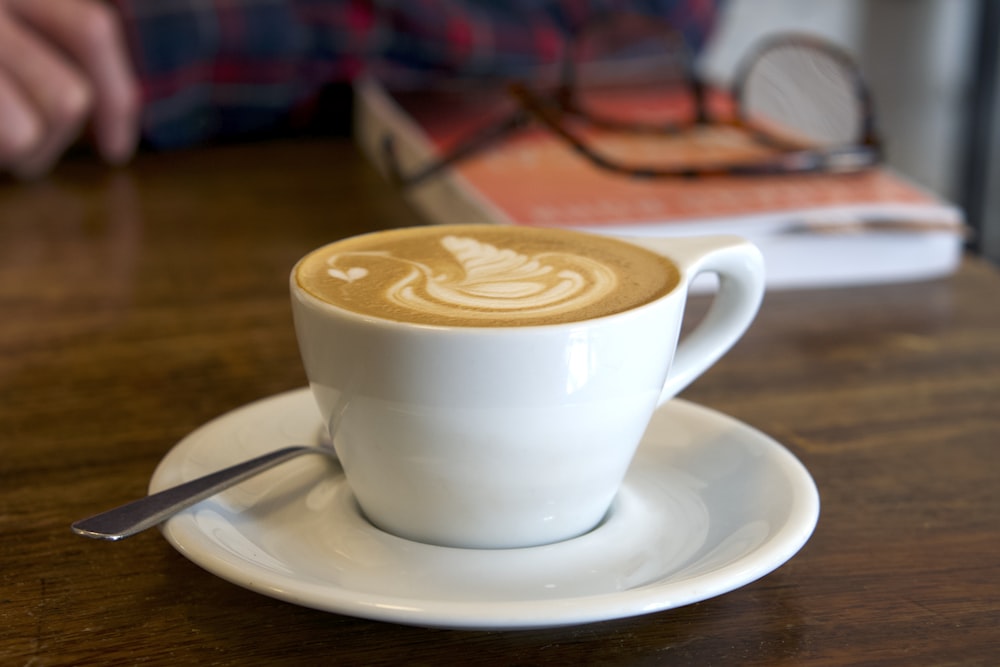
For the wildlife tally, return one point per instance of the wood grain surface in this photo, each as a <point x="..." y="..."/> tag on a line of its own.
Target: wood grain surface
<point x="137" y="304"/>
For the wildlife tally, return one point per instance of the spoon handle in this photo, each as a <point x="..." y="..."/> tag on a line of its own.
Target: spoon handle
<point x="138" y="515"/>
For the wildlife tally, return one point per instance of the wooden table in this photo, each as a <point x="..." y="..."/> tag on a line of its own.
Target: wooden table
<point x="138" y="304"/>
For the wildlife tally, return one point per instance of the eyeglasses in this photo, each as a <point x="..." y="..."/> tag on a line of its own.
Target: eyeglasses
<point x="627" y="100"/>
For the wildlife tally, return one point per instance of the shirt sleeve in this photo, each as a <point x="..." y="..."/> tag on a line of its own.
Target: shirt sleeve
<point x="216" y="69"/>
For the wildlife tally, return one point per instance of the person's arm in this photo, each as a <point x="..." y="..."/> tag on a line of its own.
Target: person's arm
<point x="63" y="67"/>
<point x="226" y="68"/>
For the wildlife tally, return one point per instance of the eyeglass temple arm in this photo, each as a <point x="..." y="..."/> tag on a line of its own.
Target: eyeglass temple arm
<point x="468" y="146"/>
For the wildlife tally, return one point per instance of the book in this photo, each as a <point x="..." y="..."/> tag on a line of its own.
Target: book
<point x="814" y="230"/>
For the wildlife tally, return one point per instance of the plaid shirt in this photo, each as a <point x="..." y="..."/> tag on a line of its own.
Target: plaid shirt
<point x="223" y="68"/>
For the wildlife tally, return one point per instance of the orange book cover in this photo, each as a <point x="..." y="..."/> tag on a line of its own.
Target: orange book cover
<point x="532" y="177"/>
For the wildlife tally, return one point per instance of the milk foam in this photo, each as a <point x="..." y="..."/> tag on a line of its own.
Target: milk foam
<point x="484" y="280"/>
<point x="485" y="275"/>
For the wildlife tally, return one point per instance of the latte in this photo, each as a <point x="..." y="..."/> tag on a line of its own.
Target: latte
<point x="485" y="275"/>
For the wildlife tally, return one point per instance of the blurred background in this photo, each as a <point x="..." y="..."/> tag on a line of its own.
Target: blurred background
<point x="933" y="69"/>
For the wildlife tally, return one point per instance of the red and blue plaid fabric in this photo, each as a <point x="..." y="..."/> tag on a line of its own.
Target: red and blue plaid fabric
<point x="222" y="68"/>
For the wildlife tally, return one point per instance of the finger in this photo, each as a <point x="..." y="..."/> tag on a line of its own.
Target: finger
<point x="22" y="130"/>
<point x="59" y="96"/>
<point x="91" y="34"/>
<point x="55" y="140"/>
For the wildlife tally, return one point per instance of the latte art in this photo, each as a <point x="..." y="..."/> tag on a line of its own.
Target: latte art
<point x="486" y="279"/>
<point x="477" y="275"/>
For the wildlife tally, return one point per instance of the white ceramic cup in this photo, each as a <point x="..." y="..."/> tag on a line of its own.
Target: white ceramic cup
<point x="510" y="437"/>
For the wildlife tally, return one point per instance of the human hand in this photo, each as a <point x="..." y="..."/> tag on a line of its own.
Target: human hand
<point x="63" y="67"/>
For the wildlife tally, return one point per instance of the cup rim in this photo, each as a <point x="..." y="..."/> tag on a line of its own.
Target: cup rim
<point x="304" y="294"/>
<point x="309" y="299"/>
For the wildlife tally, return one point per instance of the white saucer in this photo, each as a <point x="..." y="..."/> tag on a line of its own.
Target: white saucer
<point x="709" y="505"/>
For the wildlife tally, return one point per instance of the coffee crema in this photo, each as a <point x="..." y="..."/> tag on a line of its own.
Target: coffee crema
<point x="485" y="275"/>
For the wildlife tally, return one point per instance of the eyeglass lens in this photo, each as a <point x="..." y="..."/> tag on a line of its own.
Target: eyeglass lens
<point x="632" y="71"/>
<point x="803" y="95"/>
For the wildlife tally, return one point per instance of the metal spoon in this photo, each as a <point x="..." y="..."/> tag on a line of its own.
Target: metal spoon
<point x="138" y="515"/>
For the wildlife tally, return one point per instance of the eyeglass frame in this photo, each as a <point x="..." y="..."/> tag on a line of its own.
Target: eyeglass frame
<point x="549" y="109"/>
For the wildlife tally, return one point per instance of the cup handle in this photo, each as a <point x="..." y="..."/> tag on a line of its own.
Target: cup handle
<point x="740" y="267"/>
